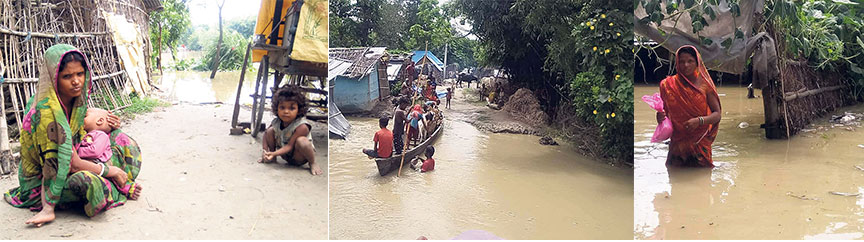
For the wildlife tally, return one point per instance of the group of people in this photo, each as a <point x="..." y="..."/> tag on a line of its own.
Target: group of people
<point x="415" y="125"/>
<point x="74" y="155"/>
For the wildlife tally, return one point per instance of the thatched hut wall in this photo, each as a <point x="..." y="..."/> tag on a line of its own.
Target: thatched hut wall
<point x="800" y="95"/>
<point x="29" y="27"/>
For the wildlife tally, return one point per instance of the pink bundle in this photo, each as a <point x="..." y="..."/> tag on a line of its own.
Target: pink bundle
<point x="664" y="129"/>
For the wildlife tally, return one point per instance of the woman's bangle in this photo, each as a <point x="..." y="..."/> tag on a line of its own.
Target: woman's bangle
<point x="701" y="120"/>
<point x="102" y="169"/>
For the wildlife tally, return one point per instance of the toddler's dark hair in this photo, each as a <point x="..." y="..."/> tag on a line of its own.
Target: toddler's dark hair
<point x="290" y="93"/>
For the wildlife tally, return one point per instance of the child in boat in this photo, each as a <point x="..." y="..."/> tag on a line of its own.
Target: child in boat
<point x="382" y="142"/>
<point x="415" y="117"/>
<point x="399" y="126"/>
<point x="425" y="165"/>
<point x="450" y="96"/>
<point x="290" y="134"/>
<point x="431" y="117"/>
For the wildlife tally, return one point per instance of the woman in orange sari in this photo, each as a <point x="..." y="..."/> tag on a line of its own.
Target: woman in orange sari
<point x="692" y="104"/>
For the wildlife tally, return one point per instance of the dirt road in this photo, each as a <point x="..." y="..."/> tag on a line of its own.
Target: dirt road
<point x="199" y="183"/>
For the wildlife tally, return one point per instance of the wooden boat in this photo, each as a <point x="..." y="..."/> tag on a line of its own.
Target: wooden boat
<point x="387" y="165"/>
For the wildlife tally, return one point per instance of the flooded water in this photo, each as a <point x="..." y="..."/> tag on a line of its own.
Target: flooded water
<point x="196" y="86"/>
<point x="506" y="184"/>
<point x="760" y="189"/>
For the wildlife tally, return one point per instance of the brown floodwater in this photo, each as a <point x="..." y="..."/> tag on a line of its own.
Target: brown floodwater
<point x="760" y="189"/>
<point x="196" y="86"/>
<point x="506" y="184"/>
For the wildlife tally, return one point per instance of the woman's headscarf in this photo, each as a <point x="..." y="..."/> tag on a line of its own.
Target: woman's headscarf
<point x="700" y="69"/>
<point x="684" y="101"/>
<point x="48" y="138"/>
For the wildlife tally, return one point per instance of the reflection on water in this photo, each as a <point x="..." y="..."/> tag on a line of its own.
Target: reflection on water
<point x="506" y="184"/>
<point x="761" y="188"/>
<point x="197" y="87"/>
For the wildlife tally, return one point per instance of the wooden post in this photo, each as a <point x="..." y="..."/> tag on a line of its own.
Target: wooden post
<point x="446" y="45"/>
<point x="218" y="54"/>
<point x="239" y="88"/>
<point x="773" y="128"/>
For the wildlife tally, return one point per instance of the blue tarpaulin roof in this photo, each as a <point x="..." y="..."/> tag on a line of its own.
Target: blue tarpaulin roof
<point x="418" y="55"/>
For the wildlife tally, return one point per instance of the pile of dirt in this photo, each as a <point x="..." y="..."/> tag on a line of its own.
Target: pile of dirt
<point x="384" y="108"/>
<point x="523" y="105"/>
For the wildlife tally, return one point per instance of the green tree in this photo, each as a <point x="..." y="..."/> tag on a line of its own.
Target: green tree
<point x="431" y="27"/>
<point x="368" y="14"/>
<point x="390" y="26"/>
<point x="341" y="24"/>
<point x="244" y="26"/>
<point x="231" y="52"/>
<point x="461" y="51"/>
<point x="574" y="49"/>
<point x="167" y="27"/>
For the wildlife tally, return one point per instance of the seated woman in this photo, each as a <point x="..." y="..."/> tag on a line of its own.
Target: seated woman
<point x="692" y="104"/>
<point x="51" y="173"/>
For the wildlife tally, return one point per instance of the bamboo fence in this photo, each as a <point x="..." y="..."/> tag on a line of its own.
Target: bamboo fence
<point x="28" y="27"/>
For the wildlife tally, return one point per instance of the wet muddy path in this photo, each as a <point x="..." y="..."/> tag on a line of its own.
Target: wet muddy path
<point x="506" y="184"/>
<point x="761" y="188"/>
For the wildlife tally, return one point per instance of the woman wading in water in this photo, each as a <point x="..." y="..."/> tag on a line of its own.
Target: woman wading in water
<point x="692" y="104"/>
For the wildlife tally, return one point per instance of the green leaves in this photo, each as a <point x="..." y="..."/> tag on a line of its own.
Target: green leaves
<point x="710" y="11"/>
<point x="726" y="43"/>
<point x="739" y="34"/>
<point x="705" y="41"/>
<point x="860" y="43"/>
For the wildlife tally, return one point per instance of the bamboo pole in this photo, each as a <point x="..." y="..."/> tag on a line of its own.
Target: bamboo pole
<point x="789" y="96"/>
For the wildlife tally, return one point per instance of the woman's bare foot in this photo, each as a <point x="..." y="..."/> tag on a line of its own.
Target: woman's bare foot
<point x="43" y="217"/>
<point x="314" y="169"/>
<point x="137" y="193"/>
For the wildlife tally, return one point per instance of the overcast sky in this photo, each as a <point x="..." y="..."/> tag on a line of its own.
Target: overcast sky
<point x="207" y="11"/>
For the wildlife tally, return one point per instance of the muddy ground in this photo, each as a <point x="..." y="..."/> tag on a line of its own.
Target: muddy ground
<point x="199" y="183"/>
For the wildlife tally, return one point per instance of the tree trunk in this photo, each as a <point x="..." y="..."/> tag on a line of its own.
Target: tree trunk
<point x="216" y="57"/>
<point x="159" y="50"/>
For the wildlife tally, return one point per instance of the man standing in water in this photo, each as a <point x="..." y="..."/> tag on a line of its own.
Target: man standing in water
<point x="399" y="124"/>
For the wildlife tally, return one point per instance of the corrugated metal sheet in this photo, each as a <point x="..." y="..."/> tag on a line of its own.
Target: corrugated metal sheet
<point x="337" y="124"/>
<point x="363" y="59"/>
<point x="336" y="68"/>
<point x="393" y="70"/>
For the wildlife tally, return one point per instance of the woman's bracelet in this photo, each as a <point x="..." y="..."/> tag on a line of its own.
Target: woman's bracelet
<point x="104" y="170"/>
<point x="701" y="120"/>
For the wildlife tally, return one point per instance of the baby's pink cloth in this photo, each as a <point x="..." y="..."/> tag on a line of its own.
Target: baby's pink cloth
<point x="96" y="145"/>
